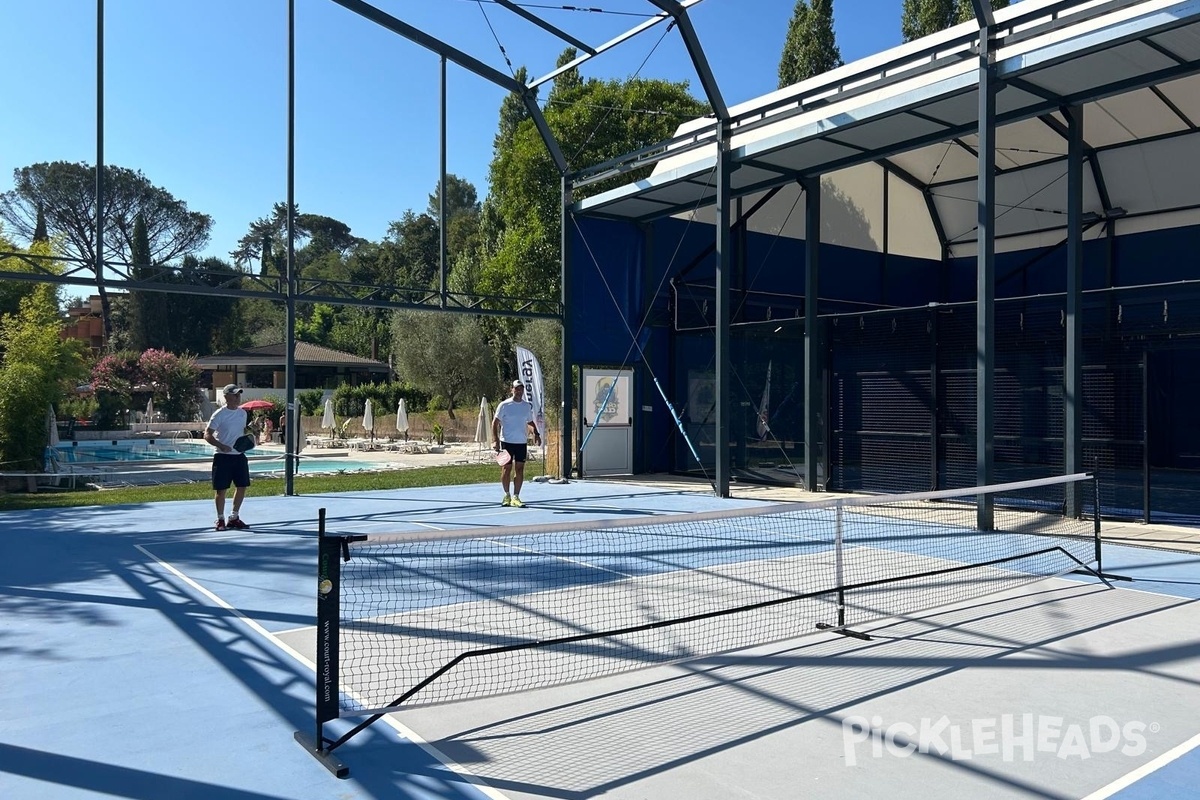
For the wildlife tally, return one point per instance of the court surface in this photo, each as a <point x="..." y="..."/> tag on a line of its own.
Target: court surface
<point x="147" y="656"/>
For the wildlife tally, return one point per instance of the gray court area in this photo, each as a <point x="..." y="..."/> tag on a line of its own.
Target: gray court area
<point x="148" y="656"/>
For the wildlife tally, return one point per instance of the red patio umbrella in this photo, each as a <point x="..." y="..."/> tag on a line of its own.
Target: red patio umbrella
<point x="254" y="405"/>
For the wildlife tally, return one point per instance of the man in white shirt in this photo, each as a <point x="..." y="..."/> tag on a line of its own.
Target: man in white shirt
<point x="227" y="425"/>
<point x="510" y="426"/>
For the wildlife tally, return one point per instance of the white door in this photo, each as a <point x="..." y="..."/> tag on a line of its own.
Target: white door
<point x="606" y="409"/>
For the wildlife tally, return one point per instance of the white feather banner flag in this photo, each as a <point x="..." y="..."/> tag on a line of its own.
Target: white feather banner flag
<point x="529" y="372"/>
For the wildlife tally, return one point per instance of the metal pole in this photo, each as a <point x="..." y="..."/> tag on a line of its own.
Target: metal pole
<point x="1145" y="438"/>
<point x="100" y="152"/>
<point x="564" y="424"/>
<point x="292" y="437"/>
<point x="1073" y="366"/>
<point x="442" y="190"/>
<point x="985" y="315"/>
<point x="814" y="361"/>
<point x="724" y="251"/>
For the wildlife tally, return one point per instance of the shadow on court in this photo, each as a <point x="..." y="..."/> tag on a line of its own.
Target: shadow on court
<point x="145" y="657"/>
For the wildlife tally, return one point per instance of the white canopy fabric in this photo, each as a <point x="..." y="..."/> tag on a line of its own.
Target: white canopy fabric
<point x="368" y="421"/>
<point x="894" y="137"/>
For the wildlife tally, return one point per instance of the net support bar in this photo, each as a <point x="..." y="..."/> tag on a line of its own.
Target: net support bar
<point x="331" y="551"/>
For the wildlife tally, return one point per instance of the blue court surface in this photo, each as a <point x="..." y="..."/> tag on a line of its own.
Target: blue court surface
<point x="148" y="656"/>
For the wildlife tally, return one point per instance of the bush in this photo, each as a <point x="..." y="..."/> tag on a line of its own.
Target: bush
<point x="77" y="408"/>
<point x="350" y="401"/>
<point x="310" y="402"/>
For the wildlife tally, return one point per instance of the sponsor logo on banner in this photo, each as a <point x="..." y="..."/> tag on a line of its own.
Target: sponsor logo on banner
<point x="529" y="372"/>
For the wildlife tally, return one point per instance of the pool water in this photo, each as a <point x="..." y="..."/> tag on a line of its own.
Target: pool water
<point x="160" y="450"/>
<point x="164" y="450"/>
<point x="310" y="465"/>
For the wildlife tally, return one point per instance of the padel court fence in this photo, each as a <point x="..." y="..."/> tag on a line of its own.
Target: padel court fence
<point x="419" y="618"/>
<point x="898" y="396"/>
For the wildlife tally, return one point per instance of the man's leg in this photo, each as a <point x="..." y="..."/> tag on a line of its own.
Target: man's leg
<point x="518" y="477"/>
<point x="239" y="494"/>
<point x="220" y="501"/>
<point x="506" y="476"/>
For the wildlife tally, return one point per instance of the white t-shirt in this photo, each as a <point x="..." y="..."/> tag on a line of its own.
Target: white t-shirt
<point x="514" y="417"/>
<point x="227" y="424"/>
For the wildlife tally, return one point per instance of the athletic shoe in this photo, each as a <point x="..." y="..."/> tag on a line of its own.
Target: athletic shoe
<point x="507" y="501"/>
<point x="516" y="502"/>
<point x="236" y="522"/>
<point x="220" y="524"/>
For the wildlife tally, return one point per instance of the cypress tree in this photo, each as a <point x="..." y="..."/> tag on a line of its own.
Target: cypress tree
<point x="811" y="46"/>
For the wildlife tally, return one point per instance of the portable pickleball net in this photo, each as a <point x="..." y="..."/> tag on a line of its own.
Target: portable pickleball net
<point x="419" y="618"/>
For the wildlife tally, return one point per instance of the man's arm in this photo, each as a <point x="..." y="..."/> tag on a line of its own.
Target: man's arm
<point x="537" y="437"/>
<point x="211" y="438"/>
<point x="495" y="433"/>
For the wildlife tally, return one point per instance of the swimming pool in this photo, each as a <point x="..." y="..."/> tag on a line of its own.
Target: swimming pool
<point x="311" y="465"/>
<point x="132" y="450"/>
<point x="135" y="452"/>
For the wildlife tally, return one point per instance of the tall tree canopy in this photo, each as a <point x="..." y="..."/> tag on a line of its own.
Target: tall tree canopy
<point x="35" y="365"/>
<point x="316" y="236"/>
<point x="443" y="354"/>
<point x="811" y="46"/>
<point x="64" y="193"/>
<point x="593" y="121"/>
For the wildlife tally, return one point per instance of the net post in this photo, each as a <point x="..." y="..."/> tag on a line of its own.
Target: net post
<point x="1096" y="521"/>
<point x="837" y="555"/>
<point x="329" y="549"/>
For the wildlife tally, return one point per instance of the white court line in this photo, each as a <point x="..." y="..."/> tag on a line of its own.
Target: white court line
<point x="1133" y="777"/>
<point x="409" y="734"/>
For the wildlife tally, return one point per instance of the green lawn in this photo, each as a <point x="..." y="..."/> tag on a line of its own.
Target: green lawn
<point x="261" y="487"/>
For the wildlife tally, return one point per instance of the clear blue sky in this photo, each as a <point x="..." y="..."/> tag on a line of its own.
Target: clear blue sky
<point x="196" y="90"/>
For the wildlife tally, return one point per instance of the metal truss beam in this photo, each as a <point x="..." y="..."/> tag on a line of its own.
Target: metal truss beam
<point x="78" y="272"/>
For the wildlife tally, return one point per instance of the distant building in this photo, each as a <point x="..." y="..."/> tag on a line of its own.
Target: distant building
<point x="316" y="367"/>
<point x="85" y="322"/>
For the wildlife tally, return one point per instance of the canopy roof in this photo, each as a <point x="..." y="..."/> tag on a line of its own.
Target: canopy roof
<point x="306" y="354"/>
<point x="897" y="133"/>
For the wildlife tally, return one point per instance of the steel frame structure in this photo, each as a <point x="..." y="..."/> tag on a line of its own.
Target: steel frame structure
<point x="291" y="288"/>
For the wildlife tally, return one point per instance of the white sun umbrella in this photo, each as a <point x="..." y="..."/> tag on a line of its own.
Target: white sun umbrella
<point x="51" y="427"/>
<point x="328" y="420"/>
<point x="149" y="413"/>
<point x="402" y="419"/>
<point x="483" y="425"/>
<point x="369" y="419"/>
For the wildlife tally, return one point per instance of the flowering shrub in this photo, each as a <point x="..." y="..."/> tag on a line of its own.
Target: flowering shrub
<point x="170" y="380"/>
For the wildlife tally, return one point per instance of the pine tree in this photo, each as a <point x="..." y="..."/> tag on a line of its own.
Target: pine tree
<point x="143" y="306"/>
<point x="39" y="230"/>
<point x="810" y="47"/>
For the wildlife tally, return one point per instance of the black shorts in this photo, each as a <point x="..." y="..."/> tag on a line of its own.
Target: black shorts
<point x="518" y="451"/>
<point x="230" y="468"/>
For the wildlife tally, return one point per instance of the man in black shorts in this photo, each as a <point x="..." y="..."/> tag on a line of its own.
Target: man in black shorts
<point x="227" y="425"/>
<point x="510" y="426"/>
